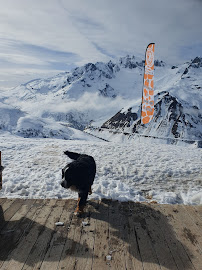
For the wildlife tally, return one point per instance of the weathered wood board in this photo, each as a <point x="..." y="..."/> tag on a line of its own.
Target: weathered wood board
<point x="109" y="235"/>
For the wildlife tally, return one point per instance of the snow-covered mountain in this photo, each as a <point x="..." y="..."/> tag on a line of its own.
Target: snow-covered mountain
<point x="174" y="122"/>
<point x="106" y="97"/>
<point x="178" y="112"/>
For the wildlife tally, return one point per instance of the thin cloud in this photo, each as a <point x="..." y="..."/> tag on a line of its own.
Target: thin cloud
<point x="16" y="52"/>
<point x="62" y="34"/>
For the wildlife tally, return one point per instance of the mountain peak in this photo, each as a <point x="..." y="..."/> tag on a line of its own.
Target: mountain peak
<point x="197" y="62"/>
<point x="97" y="91"/>
<point x="130" y="62"/>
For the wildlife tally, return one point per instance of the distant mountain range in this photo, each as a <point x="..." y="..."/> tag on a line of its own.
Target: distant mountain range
<point x="105" y="100"/>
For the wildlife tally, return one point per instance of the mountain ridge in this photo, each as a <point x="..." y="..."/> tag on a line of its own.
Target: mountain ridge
<point x="95" y="93"/>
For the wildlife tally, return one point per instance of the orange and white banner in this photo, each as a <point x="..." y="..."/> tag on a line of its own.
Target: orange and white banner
<point x="148" y="86"/>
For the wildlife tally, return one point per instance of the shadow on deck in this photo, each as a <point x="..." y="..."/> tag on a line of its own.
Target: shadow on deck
<point x="110" y="235"/>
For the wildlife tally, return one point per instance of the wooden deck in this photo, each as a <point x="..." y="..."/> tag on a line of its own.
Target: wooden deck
<point x="110" y="235"/>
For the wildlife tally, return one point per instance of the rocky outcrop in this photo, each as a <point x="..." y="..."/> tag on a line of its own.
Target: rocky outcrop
<point x="172" y="119"/>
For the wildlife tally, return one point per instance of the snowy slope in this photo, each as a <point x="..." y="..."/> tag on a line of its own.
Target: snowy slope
<point x="132" y="171"/>
<point x="94" y="93"/>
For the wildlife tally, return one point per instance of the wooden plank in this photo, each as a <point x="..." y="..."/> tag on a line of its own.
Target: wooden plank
<point x="2" y="200"/>
<point x="86" y="247"/>
<point x="191" y="233"/>
<point x="11" y="240"/>
<point x="18" y="229"/>
<point x="13" y="230"/>
<point x="135" y="260"/>
<point x="193" y="214"/>
<point x="70" y="255"/>
<point x="176" y="248"/>
<point x="2" y="220"/>
<point x="116" y="240"/>
<point x="10" y="207"/>
<point x="144" y="241"/>
<point x="127" y="254"/>
<point x="198" y="209"/>
<point x="190" y="229"/>
<point x="101" y="242"/>
<point x="189" y="253"/>
<point x="50" y="245"/>
<point x="6" y="203"/>
<point x="19" y="255"/>
<point x="20" y="213"/>
<point x="152" y="216"/>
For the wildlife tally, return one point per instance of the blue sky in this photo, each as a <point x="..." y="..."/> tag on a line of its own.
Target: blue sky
<point x="42" y="38"/>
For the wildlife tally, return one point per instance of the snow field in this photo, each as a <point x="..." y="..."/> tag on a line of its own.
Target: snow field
<point x="125" y="171"/>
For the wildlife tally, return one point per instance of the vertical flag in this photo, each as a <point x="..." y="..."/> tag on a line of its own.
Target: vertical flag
<point x="148" y="86"/>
